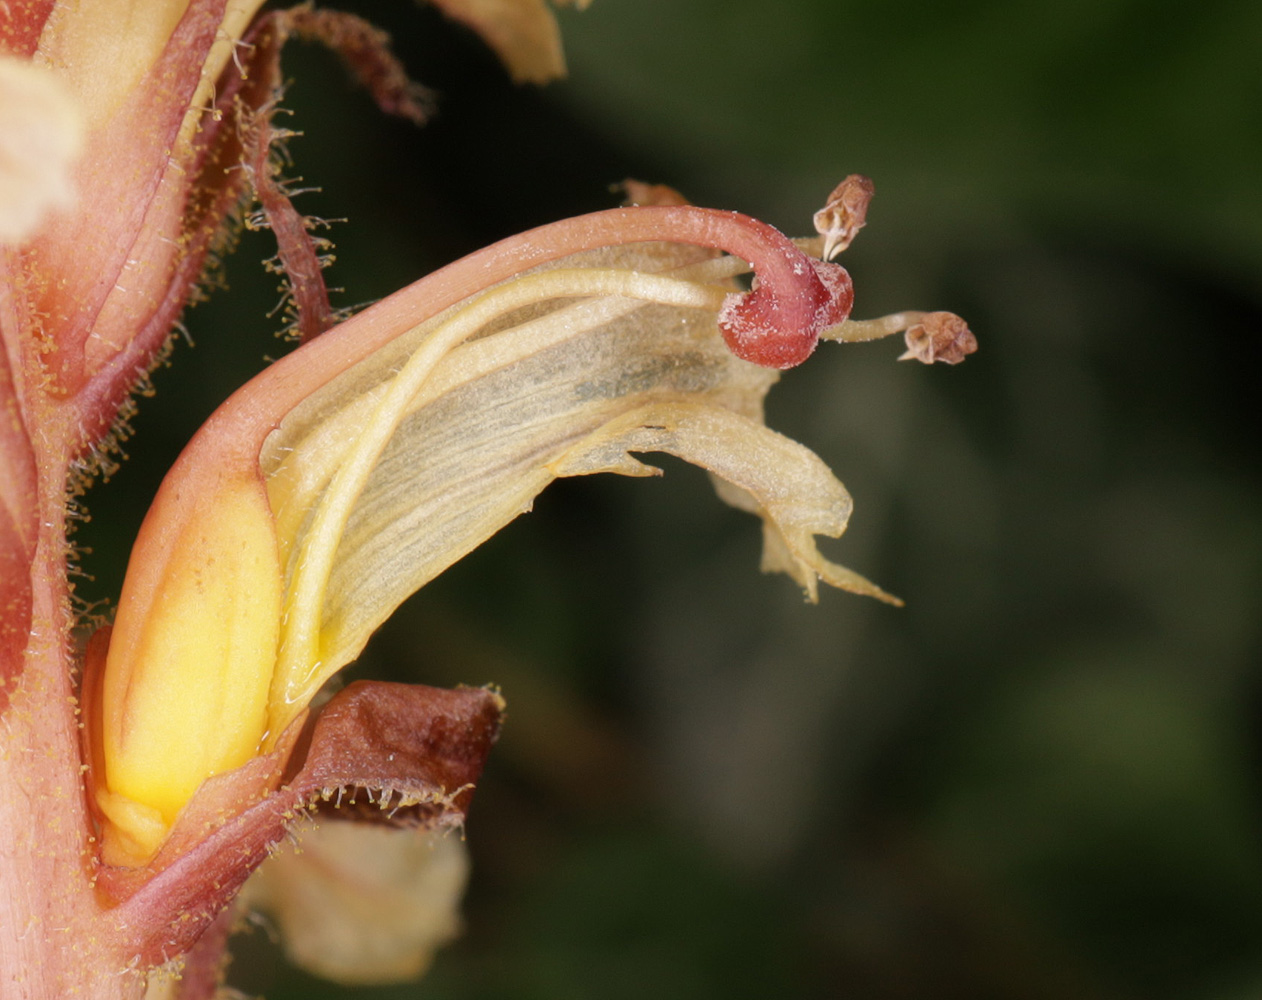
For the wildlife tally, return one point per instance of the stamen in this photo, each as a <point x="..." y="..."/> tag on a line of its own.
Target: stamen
<point x="855" y="331"/>
<point x="941" y="337"/>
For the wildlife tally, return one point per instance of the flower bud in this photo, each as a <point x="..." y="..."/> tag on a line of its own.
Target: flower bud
<point x="190" y="662"/>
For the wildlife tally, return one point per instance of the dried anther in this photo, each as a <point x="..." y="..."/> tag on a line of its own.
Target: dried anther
<point x="939" y="337"/>
<point x="844" y="214"/>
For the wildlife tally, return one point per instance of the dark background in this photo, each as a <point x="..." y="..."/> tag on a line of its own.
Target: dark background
<point x="1039" y="779"/>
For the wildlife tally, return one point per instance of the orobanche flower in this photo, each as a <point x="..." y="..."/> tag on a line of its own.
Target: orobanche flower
<point x="348" y="474"/>
<point x="321" y="494"/>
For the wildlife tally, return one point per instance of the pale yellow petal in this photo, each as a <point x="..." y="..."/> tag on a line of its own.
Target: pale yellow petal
<point x="103" y="50"/>
<point x="468" y="456"/>
<point x="358" y="903"/>
<point x="755" y="469"/>
<point x="560" y="387"/>
<point x="523" y="33"/>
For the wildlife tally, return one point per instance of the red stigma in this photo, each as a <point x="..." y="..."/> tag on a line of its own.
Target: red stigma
<point x="779" y="327"/>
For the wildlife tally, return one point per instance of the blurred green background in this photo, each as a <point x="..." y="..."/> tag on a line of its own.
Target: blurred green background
<point x="1043" y="777"/>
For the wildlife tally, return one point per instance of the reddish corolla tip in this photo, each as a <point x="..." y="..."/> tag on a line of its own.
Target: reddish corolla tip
<point x="781" y="330"/>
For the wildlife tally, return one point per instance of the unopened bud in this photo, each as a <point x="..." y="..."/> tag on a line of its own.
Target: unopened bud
<point x="190" y="661"/>
<point x="845" y="213"/>
<point x="939" y="336"/>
